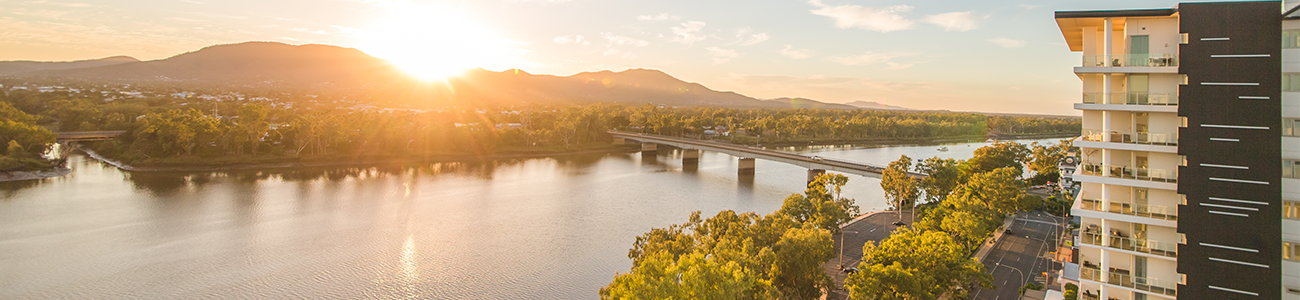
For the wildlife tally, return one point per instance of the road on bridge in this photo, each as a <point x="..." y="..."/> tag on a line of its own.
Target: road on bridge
<point x="810" y="162"/>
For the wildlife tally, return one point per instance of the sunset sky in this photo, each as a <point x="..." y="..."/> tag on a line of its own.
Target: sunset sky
<point x="995" y="56"/>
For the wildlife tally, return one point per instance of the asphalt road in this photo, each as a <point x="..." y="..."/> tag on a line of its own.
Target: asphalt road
<point x="1021" y="257"/>
<point x="874" y="228"/>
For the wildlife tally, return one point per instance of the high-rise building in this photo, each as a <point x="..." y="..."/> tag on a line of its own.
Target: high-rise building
<point x="1190" y="151"/>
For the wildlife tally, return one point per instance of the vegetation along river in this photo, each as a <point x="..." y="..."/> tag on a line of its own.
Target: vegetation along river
<point x="545" y="228"/>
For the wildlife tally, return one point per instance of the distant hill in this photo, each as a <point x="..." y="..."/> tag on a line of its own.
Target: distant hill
<point x="270" y="64"/>
<point x="20" y="67"/>
<point x="874" y="105"/>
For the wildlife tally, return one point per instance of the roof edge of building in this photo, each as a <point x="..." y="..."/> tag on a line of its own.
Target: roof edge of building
<point x="1157" y="12"/>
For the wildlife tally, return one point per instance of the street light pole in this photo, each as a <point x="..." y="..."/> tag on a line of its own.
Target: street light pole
<point x="842" y="232"/>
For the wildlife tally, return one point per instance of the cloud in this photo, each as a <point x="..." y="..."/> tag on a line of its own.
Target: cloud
<point x="689" y="32"/>
<point x="618" y="40"/>
<point x="791" y="52"/>
<point x="869" y="58"/>
<point x="617" y="53"/>
<point x="1008" y="43"/>
<point x="308" y="30"/>
<point x="658" y="17"/>
<point x="571" y="39"/>
<point x="897" y="66"/>
<point x="722" y="55"/>
<point x="744" y="38"/>
<point x="953" y="21"/>
<point x="867" y="18"/>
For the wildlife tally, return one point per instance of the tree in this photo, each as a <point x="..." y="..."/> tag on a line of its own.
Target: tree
<point x="693" y="276"/>
<point x="998" y="190"/>
<point x="797" y="272"/>
<point x="900" y="187"/>
<point x="820" y="205"/>
<point x="915" y="264"/>
<point x="997" y="155"/>
<point x="942" y="176"/>
<point x="1045" y="161"/>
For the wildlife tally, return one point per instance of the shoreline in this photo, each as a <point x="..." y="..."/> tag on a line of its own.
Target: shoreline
<point x="462" y="158"/>
<point x="31" y="175"/>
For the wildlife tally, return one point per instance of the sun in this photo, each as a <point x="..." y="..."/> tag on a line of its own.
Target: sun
<point x="433" y="44"/>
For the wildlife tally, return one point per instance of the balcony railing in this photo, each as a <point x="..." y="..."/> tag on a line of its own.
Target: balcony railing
<point x="1130" y="244"/>
<point x="1132" y="98"/>
<point x="1131" y="137"/>
<point x="1140" y="210"/>
<point x="1131" y="60"/>
<point x="1119" y="278"/>
<point x="1145" y="174"/>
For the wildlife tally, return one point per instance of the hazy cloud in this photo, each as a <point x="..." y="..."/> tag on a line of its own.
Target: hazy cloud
<point x="953" y="21"/>
<point x="745" y="37"/>
<point x="618" y="40"/>
<point x="658" y="17"/>
<point x="867" y="18"/>
<point x="791" y="52"/>
<point x="689" y="32"/>
<point x="897" y="66"/>
<point x="720" y="55"/>
<point x="1008" y="43"/>
<point x="869" y="58"/>
<point x="571" y="39"/>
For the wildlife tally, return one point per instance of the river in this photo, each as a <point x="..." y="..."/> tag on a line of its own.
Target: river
<point x="543" y="228"/>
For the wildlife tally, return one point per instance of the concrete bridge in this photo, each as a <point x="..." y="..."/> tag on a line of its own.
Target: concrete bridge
<point x="816" y="165"/>
<point x="87" y="136"/>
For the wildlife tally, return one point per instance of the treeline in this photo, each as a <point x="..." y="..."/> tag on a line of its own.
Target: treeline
<point x="175" y="131"/>
<point x="25" y="143"/>
<point x="780" y="255"/>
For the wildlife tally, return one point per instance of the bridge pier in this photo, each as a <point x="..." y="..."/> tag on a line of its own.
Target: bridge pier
<point x="813" y="173"/>
<point x="650" y="149"/>
<point x="690" y="156"/>
<point x="620" y="141"/>
<point x="746" y="166"/>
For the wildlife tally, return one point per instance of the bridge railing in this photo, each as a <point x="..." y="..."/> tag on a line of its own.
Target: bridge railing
<point x="713" y="143"/>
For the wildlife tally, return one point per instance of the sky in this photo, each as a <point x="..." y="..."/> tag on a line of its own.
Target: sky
<point x="988" y="56"/>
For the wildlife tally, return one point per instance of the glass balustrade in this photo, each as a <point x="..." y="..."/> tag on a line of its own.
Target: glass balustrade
<point x="1132" y="98"/>
<point x="1140" y="210"/>
<point x="1131" y="60"/>
<point x="1130" y="137"/>
<point x="1144" y="174"/>
<point x="1093" y="237"/>
<point x="1122" y="278"/>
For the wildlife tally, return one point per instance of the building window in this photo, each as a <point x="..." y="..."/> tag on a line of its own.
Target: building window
<point x="1291" y="209"/>
<point x="1291" y="38"/>
<point x="1291" y="82"/>
<point x="1290" y="127"/>
<point x="1289" y="251"/>
<point x="1290" y="168"/>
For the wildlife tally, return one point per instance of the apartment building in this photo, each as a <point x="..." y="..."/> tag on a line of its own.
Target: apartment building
<point x="1190" y="151"/>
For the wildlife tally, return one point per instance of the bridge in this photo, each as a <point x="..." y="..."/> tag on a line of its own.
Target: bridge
<point x="816" y="165"/>
<point x="87" y="136"/>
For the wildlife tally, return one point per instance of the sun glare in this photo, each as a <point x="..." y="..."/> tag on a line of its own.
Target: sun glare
<point x="433" y="44"/>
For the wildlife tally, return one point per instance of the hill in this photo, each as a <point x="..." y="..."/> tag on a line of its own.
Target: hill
<point x="277" y="65"/>
<point x="20" y="67"/>
<point x="874" y="105"/>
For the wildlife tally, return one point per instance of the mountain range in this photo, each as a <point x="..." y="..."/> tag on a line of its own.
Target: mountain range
<point x="270" y="64"/>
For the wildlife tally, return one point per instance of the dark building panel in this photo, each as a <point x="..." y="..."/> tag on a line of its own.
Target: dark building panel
<point x="1230" y="207"/>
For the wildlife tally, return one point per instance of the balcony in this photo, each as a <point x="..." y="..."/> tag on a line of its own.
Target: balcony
<point x="1144" y="174"/>
<point x="1091" y="236"/>
<point x="1132" y="98"/>
<point x="1131" y="137"/>
<point x="1121" y="277"/>
<point x="1131" y="60"/>
<point x="1140" y="210"/>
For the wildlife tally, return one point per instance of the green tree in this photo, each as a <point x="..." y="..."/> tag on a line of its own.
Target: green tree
<point x="998" y="190"/>
<point x="1045" y="161"/>
<point x="820" y="205"/>
<point x="998" y="155"/>
<point x="900" y="187"/>
<point x="914" y="264"/>
<point x="797" y="271"/>
<point x="693" y="276"/>
<point x="942" y="176"/>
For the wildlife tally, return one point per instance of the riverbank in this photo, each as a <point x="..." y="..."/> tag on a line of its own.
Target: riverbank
<point x="335" y="162"/>
<point x="897" y="141"/>
<point x="29" y="175"/>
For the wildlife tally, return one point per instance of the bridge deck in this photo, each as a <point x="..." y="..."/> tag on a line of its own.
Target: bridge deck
<point x="76" y="136"/>
<point x="810" y="162"/>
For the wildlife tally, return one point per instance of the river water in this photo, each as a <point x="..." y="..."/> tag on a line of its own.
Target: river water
<point x="544" y="228"/>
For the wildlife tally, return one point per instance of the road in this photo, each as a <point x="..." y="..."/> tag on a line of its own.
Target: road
<point x="1024" y="250"/>
<point x="874" y="228"/>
